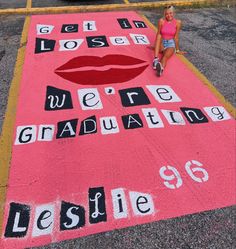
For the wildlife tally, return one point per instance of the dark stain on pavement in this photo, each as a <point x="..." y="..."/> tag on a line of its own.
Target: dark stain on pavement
<point x="2" y="53"/>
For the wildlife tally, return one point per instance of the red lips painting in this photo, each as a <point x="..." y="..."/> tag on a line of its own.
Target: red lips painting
<point x="94" y="70"/>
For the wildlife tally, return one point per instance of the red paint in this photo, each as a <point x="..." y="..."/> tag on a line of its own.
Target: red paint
<point x="97" y="76"/>
<point x="96" y="61"/>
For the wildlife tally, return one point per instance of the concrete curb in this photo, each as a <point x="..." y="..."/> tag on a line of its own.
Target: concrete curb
<point x="109" y="7"/>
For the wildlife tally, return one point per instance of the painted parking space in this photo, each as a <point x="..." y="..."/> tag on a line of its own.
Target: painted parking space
<point x="61" y="7"/>
<point x="5" y="4"/>
<point x="146" y="1"/>
<point x="134" y="133"/>
<point x="56" y="3"/>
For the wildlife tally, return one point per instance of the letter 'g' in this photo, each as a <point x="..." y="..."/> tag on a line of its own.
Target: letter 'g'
<point x="25" y="134"/>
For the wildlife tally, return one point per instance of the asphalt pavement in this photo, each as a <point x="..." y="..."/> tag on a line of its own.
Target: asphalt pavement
<point x="208" y="35"/>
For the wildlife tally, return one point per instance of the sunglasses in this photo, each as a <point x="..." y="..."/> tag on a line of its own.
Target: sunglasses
<point x="169" y="6"/>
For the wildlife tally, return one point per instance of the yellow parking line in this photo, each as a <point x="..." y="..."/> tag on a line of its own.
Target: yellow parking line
<point x="126" y="1"/>
<point x="8" y="125"/>
<point x="230" y="108"/>
<point x="105" y="7"/>
<point x="29" y="4"/>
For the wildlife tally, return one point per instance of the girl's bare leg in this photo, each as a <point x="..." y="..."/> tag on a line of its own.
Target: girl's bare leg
<point x="167" y="53"/>
<point x="158" y="46"/>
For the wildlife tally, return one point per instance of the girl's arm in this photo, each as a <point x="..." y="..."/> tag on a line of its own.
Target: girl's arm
<point x="178" y="27"/>
<point x="176" y="38"/>
<point x="158" y="38"/>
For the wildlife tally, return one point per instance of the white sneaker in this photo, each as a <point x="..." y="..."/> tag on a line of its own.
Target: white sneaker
<point x="159" y="69"/>
<point x="154" y="63"/>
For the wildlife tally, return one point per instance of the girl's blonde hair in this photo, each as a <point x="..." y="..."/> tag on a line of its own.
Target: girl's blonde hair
<point x="169" y="7"/>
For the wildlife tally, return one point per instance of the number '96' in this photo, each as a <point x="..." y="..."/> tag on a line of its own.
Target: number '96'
<point x="173" y="179"/>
